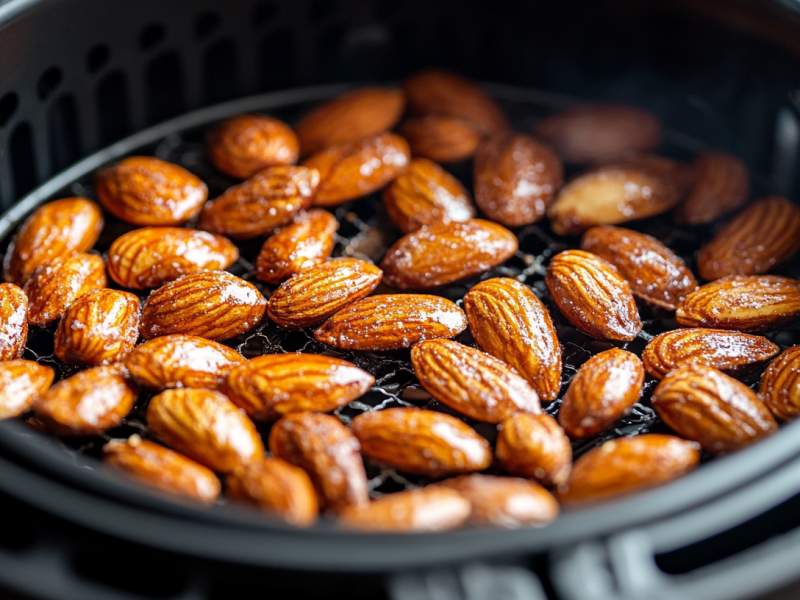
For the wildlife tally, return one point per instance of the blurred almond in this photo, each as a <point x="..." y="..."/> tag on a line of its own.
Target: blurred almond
<point x="780" y="385"/>
<point x="441" y="139"/>
<point x="21" y="383"/>
<point x="721" y="185"/>
<point x="13" y="321"/>
<point x="534" y="446"/>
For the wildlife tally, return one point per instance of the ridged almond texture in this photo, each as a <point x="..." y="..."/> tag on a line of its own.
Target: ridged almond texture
<point x="152" y="256"/>
<point x="148" y="191"/>
<point x="55" y="229"/>
<point x="720" y="413"/>
<point x="421" y="442"/>
<point x="729" y="351"/>
<point x="303" y="243"/>
<point x="754" y="242"/>
<point x="780" y="385"/>
<point x="181" y="361"/>
<point x="268" y="387"/>
<point x="99" y="328"/>
<point x="351" y="117"/>
<point x="13" y="321"/>
<point x="516" y="179"/>
<point x="441" y="139"/>
<point x="436" y="256"/>
<point x="317" y="293"/>
<point x="654" y="272"/>
<point x="162" y="468"/>
<point x="744" y="302"/>
<point x="721" y="185"/>
<point x="205" y="426"/>
<point x="426" y="195"/>
<point x="349" y="171"/>
<point x="326" y="450"/>
<point x="391" y="322"/>
<point x="509" y="322"/>
<point x="21" y="383"/>
<point x="211" y="304"/>
<point x="243" y="145"/>
<point x="471" y="382"/>
<point x="534" y="446"/>
<point x="603" y="391"/>
<point x="257" y="206"/>
<point x="593" y="296"/>
<point x="627" y="465"/>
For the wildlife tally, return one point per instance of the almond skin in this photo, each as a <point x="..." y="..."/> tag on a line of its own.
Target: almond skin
<point x="242" y="146"/>
<point x="152" y="256"/>
<point x="205" y="426"/>
<point x="535" y="446"/>
<point x="211" y="304"/>
<point x="593" y="296"/>
<point x="510" y="323"/>
<point x="21" y="383"/>
<point x="721" y="185"/>
<point x="744" y="303"/>
<point x="654" y="272"/>
<point x="13" y="321"/>
<point x="181" y="361"/>
<point x="627" y="465"/>
<point x="758" y="239"/>
<point x="315" y="294"/>
<point x="265" y="201"/>
<point x="421" y="442"/>
<point x="426" y="195"/>
<point x="780" y="385"/>
<point x="604" y="390"/>
<point x="349" y="171"/>
<point x="391" y="322"/>
<point x="326" y="450"/>
<point x="720" y="413"/>
<point x="443" y="254"/>
<point x="471" y="382"/>
<point x="441" y="139"/>
<point x="268" y="387"/>
<point x="728" y="351"/>
<point x="303" y="243"/>
<point x="162" y="468"/>
<point x="516" y="179"/>
<point x="53" y="230"/>
<point x="148" y="191"/>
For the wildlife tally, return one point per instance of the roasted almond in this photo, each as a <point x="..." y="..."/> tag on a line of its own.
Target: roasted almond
<point x="211" y="304"/>
<point x="21" y="383"/>
<point x="391" y="322"/>
<point x="780" y="385"/>
<point x="421" y="441"/>
<point x="148" y="191"/>
<point x="317" y="293"/>
<point x="703" y="404"/>
<point x="592" y="295"/>
<point x="653" y="271"/>
<point x="441" y="139"/>
<point x="99" y="328"/>
<point x="721" y="185"/>
<point x="53" y="230"/>
<point x="471" y="382"/>
<point x="534" y="446"/>
<point x="13" y="321"/>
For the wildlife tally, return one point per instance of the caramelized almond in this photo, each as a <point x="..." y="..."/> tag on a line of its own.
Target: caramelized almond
<point x="780" y="385"/>
<point x="21" y="383"/>
<point x="13" y="321"/>
<point x="441" y="139"/>
<point x="534" y="446"/>
<point x="721" y="185"/>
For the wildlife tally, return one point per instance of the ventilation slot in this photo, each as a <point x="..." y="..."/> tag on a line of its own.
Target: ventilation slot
<point x="48" y="82"/>
<point x="97" y="58"/>
<point x="264" y="13"/>
<point x="113" y="109"/>
<point x="206" y="24"/>
<point x="63" y="132"/>
<point x="23" y="164"/>
<point x="151" y="36"/>
<point x="276" y="60"/>
<point x="220" y="72"/>
<point x="8" y="104"/>
<point x="164" y="87"/>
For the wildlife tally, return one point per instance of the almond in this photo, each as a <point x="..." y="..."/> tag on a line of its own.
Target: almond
<point x="243" y="145"/>
<point x="627" y="465"/>
<point x="728" y="351"/>
<point x="534" y="446"/>
<point x="593" y="296"/>
<point x="13" y="321"/>
<point x="441" y="139"/>
<point x="53" y="230"/>
<point x="655" y="273"/>
<point x="152" y="256"/>
<point x="304" y="243"/>
<point x="721" y="185"/>
<point x="265" y="201"/>
<point x="205" y="426"/>
<point x="315" y="294"/>
<point x="720" y="413"/>
<point x="516" y="179"/>
<point x="162" y="468"/>
<point x="349" y="171"/>
<point x="211" y="304"/>
<point x="391" y="322"/>
<point x="181" y="361"/>
<point x="21" y="383"/>
<point x="471" y="382"/>
<point x="99" y="328"/>
<point x="148" y="191"/>
<point x="326" y="450"/>
<point x="509" y="322"/>
<point x="780" y="385"/>
<point x="421" y="441"/>
<point x="443" y="254"/>
<point x="268" y="387"/>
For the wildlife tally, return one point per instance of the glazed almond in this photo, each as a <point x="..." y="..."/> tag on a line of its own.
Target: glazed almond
<point x="780" y="385"/>
<point x="534" y="446"/>
<point x="13" y="321"/>
<point x="21" y="383"/>
<point x="721" y="185"/>
<point x="441" y="139"/>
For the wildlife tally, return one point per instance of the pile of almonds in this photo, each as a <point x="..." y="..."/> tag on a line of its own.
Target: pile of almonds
<point x="206" y="405"/>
